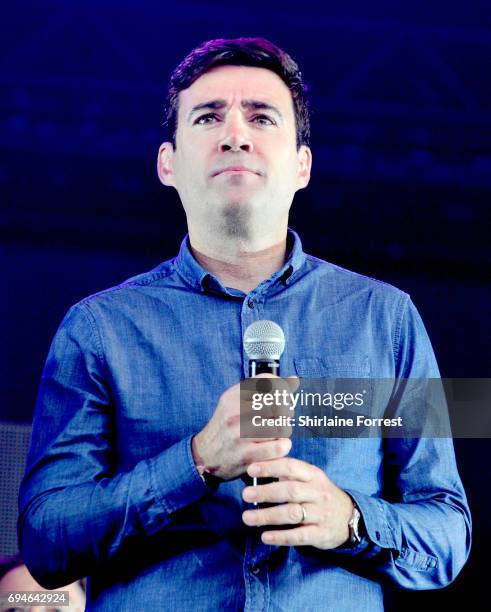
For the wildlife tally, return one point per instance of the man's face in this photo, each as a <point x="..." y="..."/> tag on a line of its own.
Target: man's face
<point x="236" y="166"/>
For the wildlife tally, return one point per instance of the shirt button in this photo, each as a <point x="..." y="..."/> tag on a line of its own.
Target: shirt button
<point x="254" y="569"/>
<point x="250" y="303"/>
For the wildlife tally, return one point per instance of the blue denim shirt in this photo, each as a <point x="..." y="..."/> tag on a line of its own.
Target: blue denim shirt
<point x="111" y="490"/>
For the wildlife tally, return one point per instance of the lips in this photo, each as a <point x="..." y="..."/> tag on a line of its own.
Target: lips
<point x="234" y="169"/>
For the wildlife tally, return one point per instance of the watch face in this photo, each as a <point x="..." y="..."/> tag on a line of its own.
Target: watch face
<point x="354" y="536"/>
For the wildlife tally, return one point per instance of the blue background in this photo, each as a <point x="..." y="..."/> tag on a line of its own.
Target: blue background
<point x="401" y="186"/>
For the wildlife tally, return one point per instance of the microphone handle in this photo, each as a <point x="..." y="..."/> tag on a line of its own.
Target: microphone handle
<point x="261" y="366"/>
<point x="264" y="366"/>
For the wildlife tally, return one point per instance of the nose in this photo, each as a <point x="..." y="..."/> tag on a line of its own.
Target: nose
<point x="236" y="136"/>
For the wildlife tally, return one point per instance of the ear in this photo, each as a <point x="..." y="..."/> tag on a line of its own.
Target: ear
<point x="165" y="167"/>
<point x="304" y="166"/>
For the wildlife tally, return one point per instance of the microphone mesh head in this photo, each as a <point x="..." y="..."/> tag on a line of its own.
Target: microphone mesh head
<point x="264" y="340"/>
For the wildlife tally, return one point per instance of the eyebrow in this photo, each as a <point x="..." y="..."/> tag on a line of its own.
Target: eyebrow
<point x="247" y="104"/>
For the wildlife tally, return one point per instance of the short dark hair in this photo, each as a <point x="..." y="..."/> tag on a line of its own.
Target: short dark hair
<point x="256" y="52"/>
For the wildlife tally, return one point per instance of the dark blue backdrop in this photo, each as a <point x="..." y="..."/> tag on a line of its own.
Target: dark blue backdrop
<point x="401" y="101"/>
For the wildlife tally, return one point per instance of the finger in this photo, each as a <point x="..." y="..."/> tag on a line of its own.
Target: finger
<point x="281" y="492"/>
<point x="264" y="427"/>
<point x="247" y="387"/>
<point x="266" y="375"/>
<point x="260" y="440"/>
<point x="246" y="395"/>
<point x="284" y="514"/>
<point x="306" y="535"/>
<point x="287" y="383"/>
<point x="293" y="382"/>
<point x="288" y="467"/>
<point x="276" y="383"/>
<point x="267" y="451"/>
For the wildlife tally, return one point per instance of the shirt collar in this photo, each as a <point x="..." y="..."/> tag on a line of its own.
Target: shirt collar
<point x="202" y="280"/>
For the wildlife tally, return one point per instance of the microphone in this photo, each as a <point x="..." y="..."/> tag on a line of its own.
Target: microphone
<point x="264" y="342"/>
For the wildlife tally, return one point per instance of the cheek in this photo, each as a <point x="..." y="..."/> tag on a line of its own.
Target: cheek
<point x="284" y="155"/>
<point x="187" y="169"/>
<point x="286" y="171"/>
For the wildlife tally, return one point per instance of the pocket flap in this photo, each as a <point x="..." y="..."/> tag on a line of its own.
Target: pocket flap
<point x="333" y="366"/>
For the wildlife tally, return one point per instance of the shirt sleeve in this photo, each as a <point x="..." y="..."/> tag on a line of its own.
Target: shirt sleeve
<point x="418" y="533"/>
<point x="75" y="508"/>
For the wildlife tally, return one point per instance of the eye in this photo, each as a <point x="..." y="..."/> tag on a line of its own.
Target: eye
<point x="263" y="120"/>
<point x="204" y="119"/>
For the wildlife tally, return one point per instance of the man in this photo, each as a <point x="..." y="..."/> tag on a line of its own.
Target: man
<point x="136" y="470"/>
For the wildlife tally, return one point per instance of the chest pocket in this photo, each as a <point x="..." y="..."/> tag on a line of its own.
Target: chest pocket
<point x="332" y="448"/>
<point x="333" y="386"/>
<point x="333" y="366"/>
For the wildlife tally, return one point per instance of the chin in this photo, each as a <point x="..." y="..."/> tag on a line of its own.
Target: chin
<point x="236" y="219"/>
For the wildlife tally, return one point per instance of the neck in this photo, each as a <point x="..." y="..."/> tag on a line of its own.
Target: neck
<point x="239" y="267"/>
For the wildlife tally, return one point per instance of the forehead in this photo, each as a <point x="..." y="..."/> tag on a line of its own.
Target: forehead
<point x="236" y="83"/>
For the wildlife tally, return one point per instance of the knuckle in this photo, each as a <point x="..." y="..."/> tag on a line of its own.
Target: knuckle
<point x="326" y="497"/>
<point x="290" y="466"/>
<point x="247" y="456"/>
<point x="278" y="448"/>
<point x="301" y="537"/>
<point x="292" y="490"/>
<point x="231" y="419"/>
<point x="294" y="513"/>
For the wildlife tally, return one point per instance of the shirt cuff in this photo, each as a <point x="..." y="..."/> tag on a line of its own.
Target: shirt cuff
<point x="174" y="478"/>
<point x="375" y="533"/>
<point x="375" y="520"/>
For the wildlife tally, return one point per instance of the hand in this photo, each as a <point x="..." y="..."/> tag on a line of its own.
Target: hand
<point x="328" y="508"/>
<point x="218" y="447"/>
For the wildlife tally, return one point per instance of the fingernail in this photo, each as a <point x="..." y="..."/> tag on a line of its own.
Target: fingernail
<point x="250" y="494"/>
<point x="249" y="516"/>
<point x="254" y="470"/>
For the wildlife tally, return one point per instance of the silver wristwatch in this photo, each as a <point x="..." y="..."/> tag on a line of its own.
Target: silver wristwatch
<point x="353" y="526"/>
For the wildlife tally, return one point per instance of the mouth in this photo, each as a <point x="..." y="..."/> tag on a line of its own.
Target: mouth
<point x="235" y="170"/>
